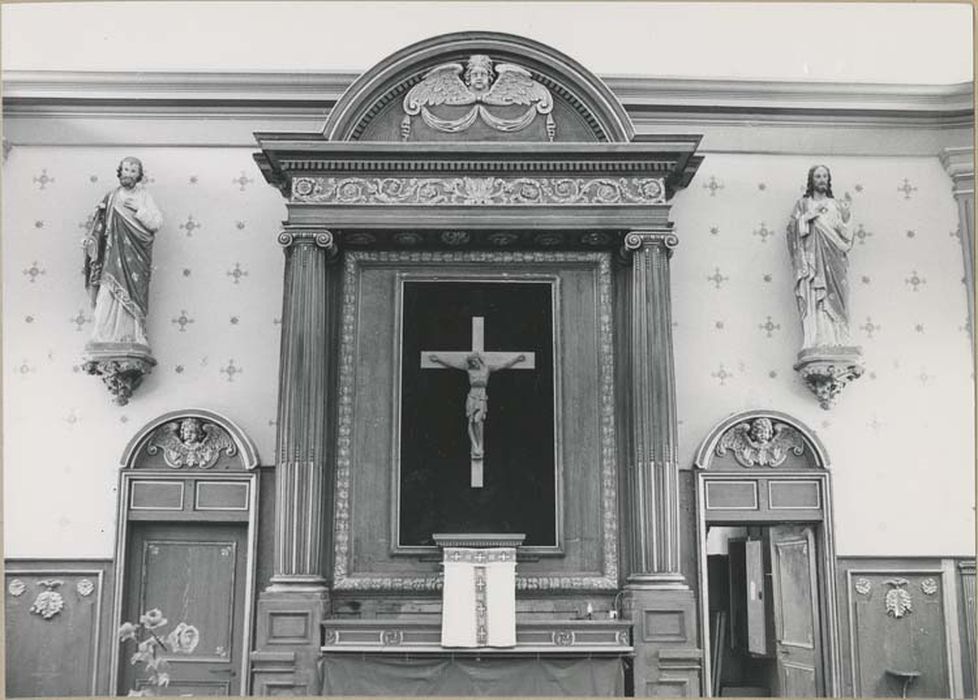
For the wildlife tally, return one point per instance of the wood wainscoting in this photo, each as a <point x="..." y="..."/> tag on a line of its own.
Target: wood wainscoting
<point x="57" y="626"/>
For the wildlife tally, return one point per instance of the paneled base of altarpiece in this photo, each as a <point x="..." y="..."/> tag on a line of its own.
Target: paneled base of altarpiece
<point x="377" y="674"/>
<point x="668" y="661"/>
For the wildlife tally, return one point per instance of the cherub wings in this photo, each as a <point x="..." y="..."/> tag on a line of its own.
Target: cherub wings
<point x="515" y="86"/>
<point x="202" y="454"/>
<point x="771" y="453"/>
<point x="441" y="86"/>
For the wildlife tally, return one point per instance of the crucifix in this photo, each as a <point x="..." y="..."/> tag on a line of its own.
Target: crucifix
<point x="478" y="364"/>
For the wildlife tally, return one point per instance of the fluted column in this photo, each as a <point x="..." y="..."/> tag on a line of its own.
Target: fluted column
<point x="653" y="468"/>
<point x="301" y="459"/>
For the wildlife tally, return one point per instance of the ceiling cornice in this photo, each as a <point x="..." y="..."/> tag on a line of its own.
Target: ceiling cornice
<point x="42" y="93"/>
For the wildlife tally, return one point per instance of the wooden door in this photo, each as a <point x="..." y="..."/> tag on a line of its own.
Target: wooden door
<point x="797" y="634"/>
<point x="194" y="573"/>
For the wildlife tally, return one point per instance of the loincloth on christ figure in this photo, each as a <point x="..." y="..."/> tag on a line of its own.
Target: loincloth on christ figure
<point x="476" y="404"/>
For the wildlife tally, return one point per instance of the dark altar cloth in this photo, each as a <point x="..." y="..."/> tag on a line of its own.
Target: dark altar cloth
<point x="389" y="675"/>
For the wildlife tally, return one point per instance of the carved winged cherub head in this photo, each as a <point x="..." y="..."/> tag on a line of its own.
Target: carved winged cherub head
<point x="761" y="431"/>
<point x="478" y="72"/>
<point x="190" y="431"/>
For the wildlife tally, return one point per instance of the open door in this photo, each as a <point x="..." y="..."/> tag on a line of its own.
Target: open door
<point x="795" y="606"/>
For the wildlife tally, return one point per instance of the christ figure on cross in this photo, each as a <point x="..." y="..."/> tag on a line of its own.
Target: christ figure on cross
<point x="479" y="364"/>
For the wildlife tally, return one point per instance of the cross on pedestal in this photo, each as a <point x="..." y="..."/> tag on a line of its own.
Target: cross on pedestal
<point x="478" y="364"/>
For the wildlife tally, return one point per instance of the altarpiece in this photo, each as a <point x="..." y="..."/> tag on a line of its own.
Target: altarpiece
<point x="476" y="339"/>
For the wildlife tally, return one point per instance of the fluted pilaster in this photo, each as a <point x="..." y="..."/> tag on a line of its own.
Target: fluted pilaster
<point x="302" y="459"/>
<point x="960" y="165"/>
<point x="653" y="471"/>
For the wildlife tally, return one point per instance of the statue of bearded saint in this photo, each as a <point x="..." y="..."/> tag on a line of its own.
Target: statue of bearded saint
<point x="819" y="241"/>
<point x="118" y="259"/>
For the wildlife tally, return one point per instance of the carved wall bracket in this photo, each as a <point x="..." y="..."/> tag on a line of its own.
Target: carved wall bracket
<point x="828" y="370"/>
<point x="122" y="367"/>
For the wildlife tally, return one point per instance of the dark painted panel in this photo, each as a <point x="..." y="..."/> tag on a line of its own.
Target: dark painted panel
<point x="56" y="624"/>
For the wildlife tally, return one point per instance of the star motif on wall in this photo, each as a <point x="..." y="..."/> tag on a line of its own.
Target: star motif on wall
<point x="861" y="234"/>
<point x="919" y="327"/>
<point x="93" y="179"/>
<point x="875" y="424"/>
<point x="186" y="272"/>
<point x="713" y="185"/>
<point x="231" y="370"/>
<point x="237" y="273"/>
<point x="773" y="374"/>
<point x="761" y="186"/>
<point x="916" y="281"/>
<point x="906" y="188"/>
<point x="768" y="277"/>
<point x="178" y="369"/>
<point x="858" y="188"/>
<point x="29" y="319"/>
<point x="764" y="232"/>
<point x="72" y="417"/>
<point x="235" y="320"/>
<point x="242" y="180"/>
<point x="718" y="325"/>
<point x="714" y="230"/>
<point x="722" y="375"/>
<point x="24" y="368"/>
<point x="717" y="278"/>
<point x="87" y="223"/>
<point x="193" y="179"/>
<point x="864" y="279"/>
<point x="769" y="327"/>
<point x="80" y="319"/>
<point x="239" y="225"/>
<point x="924" y="377"/>
<point x="38" y="224"/>
<point x="34" y="271"/>
<point x="911" y="233"/>
<point x="870" y="327"/>
<point x="190" y="225"/>
<point x="43" y="179"/>
<point x="182" y="320"/>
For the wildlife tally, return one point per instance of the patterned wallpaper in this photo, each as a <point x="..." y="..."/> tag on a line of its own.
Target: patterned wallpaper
<point x="215" y="303"/>
<point x="900" y="439"/>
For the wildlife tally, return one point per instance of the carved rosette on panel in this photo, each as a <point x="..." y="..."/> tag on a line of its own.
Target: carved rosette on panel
<point x="928" y="586"/>
<point x="16" y="588"/>
<point x="863" y="586"/>
<point x="761" y="443"/>
<point x="826" y="371"/>
<point x="85" y="587"/>
<point x="475" y="191"/>
<point x="191" y="442"/>
<point x="482" y="83"/>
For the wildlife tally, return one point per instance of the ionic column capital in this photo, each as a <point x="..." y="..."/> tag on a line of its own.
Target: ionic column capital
<point x="318" y="237"/>
<point x="638" y="240"/>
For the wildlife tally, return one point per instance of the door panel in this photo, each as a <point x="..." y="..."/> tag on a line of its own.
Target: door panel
<point x="194" y="573"/>
<point x="796" y="625"/>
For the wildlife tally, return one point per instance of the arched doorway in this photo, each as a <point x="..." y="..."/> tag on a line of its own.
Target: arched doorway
<point x="766" y="559"/>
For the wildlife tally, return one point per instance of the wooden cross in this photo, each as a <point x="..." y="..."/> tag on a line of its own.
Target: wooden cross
<point x="478" y="364"/>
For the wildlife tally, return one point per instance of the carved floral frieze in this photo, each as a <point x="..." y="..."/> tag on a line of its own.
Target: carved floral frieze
<point x="761" y="442"/>
<point x="479" y="191"/>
